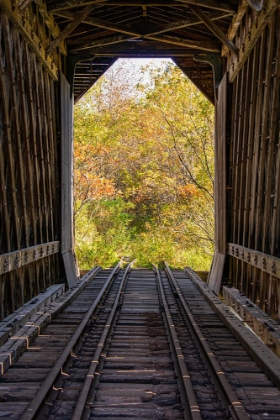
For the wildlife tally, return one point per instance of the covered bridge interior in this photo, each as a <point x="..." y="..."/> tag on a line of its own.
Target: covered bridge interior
<point x="52" y="52"/>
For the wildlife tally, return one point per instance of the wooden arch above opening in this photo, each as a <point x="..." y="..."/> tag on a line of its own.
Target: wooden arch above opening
<point x="97" y="32"/>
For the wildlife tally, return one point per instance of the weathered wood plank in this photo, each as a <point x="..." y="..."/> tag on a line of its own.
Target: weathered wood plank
<point x="265" y="327"/>
<point x="69" y="28"/>
<point x="236" y="20"/>
<point x="16" y="135"/>
<point x="31" y="38"/>
<point x="236" y="63"/>
<point x="245" y="122"/>
<point x="127" y="30"/>
<point x="249" y="160"/>
<point x="41" y="127"/>
<point x="210" y="4"/>
<point x="29" y="70"/>
<point x="5" y="236"/>
<point x="216" y="273"/>
<point x="19" y="57"/>
<point x="50" y="23"/>
<point x="67" y="199"/>
<point x="10" y="183"/>
<point x="264" y="262"/>
<point x="22" y="315"/>
<point x="13" y="260"/>
<point x="215" y="29"/>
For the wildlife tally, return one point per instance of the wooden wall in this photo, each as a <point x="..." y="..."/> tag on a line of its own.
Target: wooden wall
<point x="29" y="171"/>
<point x="254" y="166"/>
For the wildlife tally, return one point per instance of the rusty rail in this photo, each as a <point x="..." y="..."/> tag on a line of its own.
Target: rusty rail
<point x="32" y="409"/>
<point x="92" y="377"/>
<point x="191" y="409"/>
<point x="235" y="406"/>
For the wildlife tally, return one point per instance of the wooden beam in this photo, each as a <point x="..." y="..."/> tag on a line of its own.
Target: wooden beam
<point x="195" y="45"/>
<point x="16" y="259"/>
<point x="47" y="17"/>
<point x="150" y="52"/>
<point x="236" y="63"/>
<point x="30" y="37"/>
<point x="67" y="168"/>
<point x="100" y="23"/>
<point x="103" y="42"/>
<point x="266" y="263"/>
<point x="217" y="269"/>
<point x="243" y="5"/>
<point x="185" y="23"/>
<point x="214" y="29"/>
<point x="69" y="28"/>
<point x="22" y="4"/>
<point x="200" y="45"/>
<point x="264" y="327"/>
<point x="118" y="39"/>
<point x="50" y="23"/>
<point x="210" y="4"/>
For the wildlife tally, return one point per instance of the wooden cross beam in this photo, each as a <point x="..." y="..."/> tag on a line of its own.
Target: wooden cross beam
<point x="196" y="45"/>
<point x="210" y="4"/>
<point x="200" y="45"/>
<point x="187" y="23"/>
<point x="235" y="23"/>
<point x="22" y="4"/>
<point x="69" y="28"/>
<point x="215" y="29"/>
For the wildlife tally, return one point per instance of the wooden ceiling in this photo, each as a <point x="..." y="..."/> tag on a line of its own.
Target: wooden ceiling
<point x="97" y="32"/>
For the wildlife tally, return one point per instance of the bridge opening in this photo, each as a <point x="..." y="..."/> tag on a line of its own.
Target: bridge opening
<point x="144" y="167"/>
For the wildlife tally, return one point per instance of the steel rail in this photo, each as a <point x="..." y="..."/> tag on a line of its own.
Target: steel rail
<point x="190" y="397"/>
<point x="98" y="354"/>
<point x="235" y="406"/>
<point x="33" y="407"/>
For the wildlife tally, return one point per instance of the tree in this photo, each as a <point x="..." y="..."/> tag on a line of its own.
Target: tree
<point x="145" y="151"/>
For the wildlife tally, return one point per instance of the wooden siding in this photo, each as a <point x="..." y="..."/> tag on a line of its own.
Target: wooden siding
<point x="254" y="165"/>
<point x="29" y="170"/>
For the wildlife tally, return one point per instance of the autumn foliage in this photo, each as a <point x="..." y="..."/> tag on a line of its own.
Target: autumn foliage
<point x="144" y="169"/>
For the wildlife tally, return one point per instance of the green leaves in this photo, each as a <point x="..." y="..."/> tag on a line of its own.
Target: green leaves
<point x="144" y="170"/>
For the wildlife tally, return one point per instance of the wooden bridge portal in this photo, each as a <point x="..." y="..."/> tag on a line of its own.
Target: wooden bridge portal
<point x="52" y="51"/>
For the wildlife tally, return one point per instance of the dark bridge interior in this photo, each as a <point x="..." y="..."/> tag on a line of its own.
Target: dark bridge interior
<point x="97" y="33"/>
<point x="51" y="52"/>
<point x="53" y="324"/>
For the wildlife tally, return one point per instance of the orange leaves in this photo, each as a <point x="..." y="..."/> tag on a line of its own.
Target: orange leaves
<point x="89" y="183"/>
<point x="187" y="191"/>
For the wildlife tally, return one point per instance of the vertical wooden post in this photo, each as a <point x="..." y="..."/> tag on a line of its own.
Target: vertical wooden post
<point x="67" y="210"/>
<point x="215" y="277"/>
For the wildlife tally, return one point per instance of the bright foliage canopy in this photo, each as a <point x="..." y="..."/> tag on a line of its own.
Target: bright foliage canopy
<point x="144" y="166"/>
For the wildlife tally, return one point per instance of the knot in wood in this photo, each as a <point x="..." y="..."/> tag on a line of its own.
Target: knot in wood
<point x="16" y="262"/>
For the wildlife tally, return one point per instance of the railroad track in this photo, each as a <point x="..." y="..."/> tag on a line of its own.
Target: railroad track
<point x="137" y="344"/>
